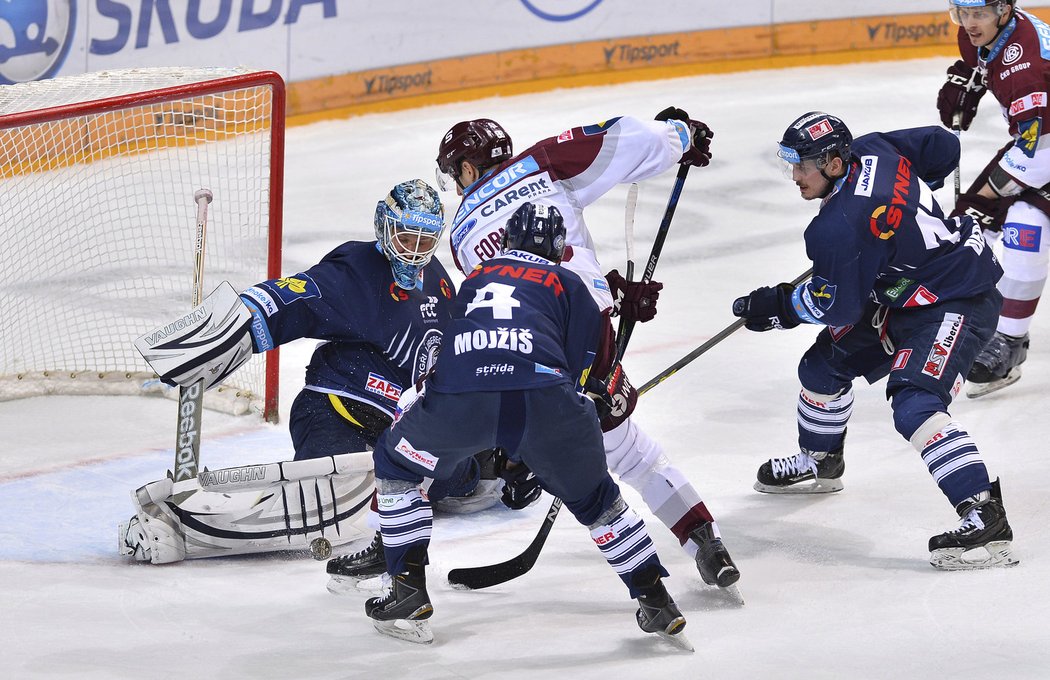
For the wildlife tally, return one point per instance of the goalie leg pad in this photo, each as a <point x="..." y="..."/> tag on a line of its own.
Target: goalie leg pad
<point x="287" y="513"/>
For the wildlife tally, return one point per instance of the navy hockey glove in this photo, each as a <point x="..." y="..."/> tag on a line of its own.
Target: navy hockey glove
<point x="960" y="94"/>
<point x="633" y="300"/>
<point x="521" y="486"/>
<point x="699" y="153"/>
<point x="767" y="308"/>
<point x="989" y="213"/>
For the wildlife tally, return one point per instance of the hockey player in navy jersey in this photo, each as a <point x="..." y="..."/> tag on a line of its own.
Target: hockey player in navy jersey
<point x="571" y="171"/>
<point x="379" y="309"/>
<point x="901" y="290"/>
<point x="1005" y="50"/>
<point x="516" y="354"/>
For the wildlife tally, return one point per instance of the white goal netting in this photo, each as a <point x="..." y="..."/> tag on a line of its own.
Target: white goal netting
<point x="98" y="222"/>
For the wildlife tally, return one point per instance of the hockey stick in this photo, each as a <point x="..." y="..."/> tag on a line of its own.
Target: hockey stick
<point x="957" y="129"/>
<point x="628" y="227"/>
<point x="191" y="399"/>
<point x="623" y="335"/>
<point x="717" y="338"/>
<point x="475" y="578"/>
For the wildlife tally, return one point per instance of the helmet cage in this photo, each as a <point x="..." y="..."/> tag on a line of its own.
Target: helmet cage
<point x="408" y="226"/>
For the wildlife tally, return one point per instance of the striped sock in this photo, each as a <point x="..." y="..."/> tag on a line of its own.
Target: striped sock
<point x="955" y="463"/>
<point x="406" y="521"/>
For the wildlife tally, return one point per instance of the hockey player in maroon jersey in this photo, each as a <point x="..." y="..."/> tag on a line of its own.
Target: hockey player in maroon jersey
<point x="1004" y="49"/>
<point x="570" y="171"/>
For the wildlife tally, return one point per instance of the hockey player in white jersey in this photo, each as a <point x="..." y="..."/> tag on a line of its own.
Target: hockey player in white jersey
<point x="570" y="171"/>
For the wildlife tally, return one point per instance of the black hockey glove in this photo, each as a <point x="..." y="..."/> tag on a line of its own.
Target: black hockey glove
<point x="767" y="308"/>
<point x="633" y="300"/>
<point x="960" y="94"/>
<point x="614" y="397"/>
<point x="521" y="486"/>
<point x="989" y="213"/>
<point x="699" y="153"/>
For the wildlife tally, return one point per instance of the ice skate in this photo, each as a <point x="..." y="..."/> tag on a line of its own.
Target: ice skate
<point x="982" y="540"/>
<point x="349" y="573"/>
<point x="657" y="613"/>
<point x="402" y="611"/>
<point x="805" y="472"/>
<point x="998" y="365"/>
<point x="713" y="562"/>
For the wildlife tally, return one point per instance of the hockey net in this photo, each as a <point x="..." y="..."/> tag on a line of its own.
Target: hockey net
<point x="98" y="221"/>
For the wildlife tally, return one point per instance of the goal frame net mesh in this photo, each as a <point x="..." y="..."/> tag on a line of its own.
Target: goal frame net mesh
<point x="98" y="221"/>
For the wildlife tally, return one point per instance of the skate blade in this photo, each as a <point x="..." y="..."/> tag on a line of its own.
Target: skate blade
<point x="678" y="639"/>
<point x="418" y="632"/>
<point x="349" y="585"/>
<point x="808" y="487"/>
<point x="974" y="390"/>
<point x="992" y="555"/>
<point x="733" y="592"/>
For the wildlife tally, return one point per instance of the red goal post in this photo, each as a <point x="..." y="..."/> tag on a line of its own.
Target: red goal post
<point x="97" y="177"/>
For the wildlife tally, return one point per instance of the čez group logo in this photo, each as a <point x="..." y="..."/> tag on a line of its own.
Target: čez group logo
<point x="35" y="36"/>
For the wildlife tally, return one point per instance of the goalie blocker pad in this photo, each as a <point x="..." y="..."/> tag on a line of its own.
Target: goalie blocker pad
<point x="252" y="509"/>
<point x="209" y="343"/>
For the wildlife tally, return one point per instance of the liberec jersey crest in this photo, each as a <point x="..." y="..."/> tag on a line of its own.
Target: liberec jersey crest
<point x="292" y="288"/>
<point x="294" y="285"/>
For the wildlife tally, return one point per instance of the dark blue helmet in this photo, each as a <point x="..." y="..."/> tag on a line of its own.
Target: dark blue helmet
<point x="815" y="135"/>
<point x="536" y="229"/>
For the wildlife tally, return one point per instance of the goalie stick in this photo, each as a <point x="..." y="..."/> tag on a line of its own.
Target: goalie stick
<point x="191" y="399"/>
<point x="475" y="578"/>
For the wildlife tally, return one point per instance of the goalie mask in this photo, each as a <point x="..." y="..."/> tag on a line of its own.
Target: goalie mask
<point x="409" y="224"/>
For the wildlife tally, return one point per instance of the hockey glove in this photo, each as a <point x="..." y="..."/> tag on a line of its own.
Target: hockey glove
<point x="633" y="300"/>
<point x="960" y="94"/>
<point x="767" y="308"/>
<point x="989" y="213"/>
<point x="699" y="151"/>
<point x="521" y="486"/>
<point x="614" y="398"/>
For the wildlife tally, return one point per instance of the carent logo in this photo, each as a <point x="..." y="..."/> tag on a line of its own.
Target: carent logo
<point x="35" y="36"/>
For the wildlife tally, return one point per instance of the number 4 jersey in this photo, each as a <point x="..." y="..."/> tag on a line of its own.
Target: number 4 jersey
<point x="881" y="235"/>
<point x="518" y="322"/>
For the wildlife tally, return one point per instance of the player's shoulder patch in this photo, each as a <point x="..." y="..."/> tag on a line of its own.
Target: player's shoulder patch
<point x="1028" y="132"/>
<point x="291" y="288"/>
<point x="869" y="165"/>
<point x="599" y="128"/>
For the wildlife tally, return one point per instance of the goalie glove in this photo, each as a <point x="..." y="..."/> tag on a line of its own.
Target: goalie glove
<point x="209" y="343"/>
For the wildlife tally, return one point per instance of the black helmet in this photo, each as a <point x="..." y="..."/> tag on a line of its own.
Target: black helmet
<point x="483" y="142"/>
<point x="536" y="229"/>
<point x="815" y="135"/>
